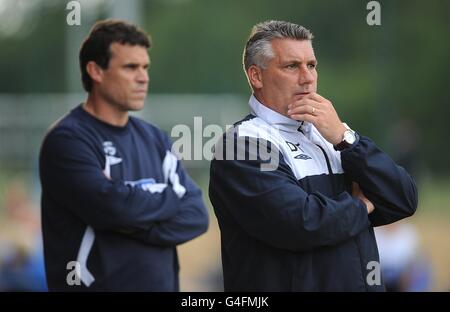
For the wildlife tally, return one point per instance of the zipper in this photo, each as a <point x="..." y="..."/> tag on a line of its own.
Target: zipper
<point x="326" y="159"/>
<point x="333" y="181"/>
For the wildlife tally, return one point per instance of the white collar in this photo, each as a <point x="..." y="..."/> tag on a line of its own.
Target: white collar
<point x="275" y="119"/>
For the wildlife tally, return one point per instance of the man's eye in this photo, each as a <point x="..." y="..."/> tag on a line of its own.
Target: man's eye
<point x="311" y="66"/>
<point x="291" y="66"/>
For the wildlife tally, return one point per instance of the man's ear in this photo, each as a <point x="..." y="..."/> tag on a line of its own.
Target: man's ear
<point x="95" y="71"/>
<point x="254" y="74"/>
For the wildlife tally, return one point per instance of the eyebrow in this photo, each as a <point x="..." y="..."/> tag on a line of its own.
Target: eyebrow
<point x="299" y="62"/>
<point x="131" y="64"/>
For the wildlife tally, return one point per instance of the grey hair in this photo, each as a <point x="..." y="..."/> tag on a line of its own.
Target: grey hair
<point x="258" y="49"/>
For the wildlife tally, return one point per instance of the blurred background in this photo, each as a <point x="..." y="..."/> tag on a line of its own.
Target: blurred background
<point x="389" y="82"/>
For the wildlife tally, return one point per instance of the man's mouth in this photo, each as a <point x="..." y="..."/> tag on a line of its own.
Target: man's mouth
<point x="300" y="95"/>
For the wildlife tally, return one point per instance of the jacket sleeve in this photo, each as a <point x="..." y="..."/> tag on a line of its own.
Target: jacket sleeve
<point x="192" y="218"/>
<point x="72" y="175"/>
<point x="271" y="206"/>
<point x="388" y="186"/>
<point x="190" y="221"/>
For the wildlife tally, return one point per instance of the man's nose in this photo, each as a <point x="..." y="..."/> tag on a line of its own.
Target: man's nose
<point x="305" y="76"/>
<point x="142" y="76"/>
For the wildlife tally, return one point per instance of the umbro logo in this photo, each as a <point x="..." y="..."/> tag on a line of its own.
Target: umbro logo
<point x="296" y="147"/>
<point x="302" y="156"/>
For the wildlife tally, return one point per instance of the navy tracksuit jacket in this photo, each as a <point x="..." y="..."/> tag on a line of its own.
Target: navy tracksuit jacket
<point x="297" y="227"/>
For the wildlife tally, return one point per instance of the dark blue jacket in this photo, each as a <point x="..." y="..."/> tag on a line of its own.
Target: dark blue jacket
<point x="297" y="227"/>
<point x="116" y="202"/>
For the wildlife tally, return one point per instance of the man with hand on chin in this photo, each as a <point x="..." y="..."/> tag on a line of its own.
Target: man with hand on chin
<point x="307" y="224"/>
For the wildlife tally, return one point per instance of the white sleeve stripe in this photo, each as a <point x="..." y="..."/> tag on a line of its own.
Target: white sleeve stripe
<point x="169" y="168"/>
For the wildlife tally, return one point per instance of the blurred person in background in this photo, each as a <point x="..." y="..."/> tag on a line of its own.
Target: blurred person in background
<point x="404" y="264"/>
<point x="21" y="255"/>
<point x="115" y="201"/>
<point x="306" y="224"/>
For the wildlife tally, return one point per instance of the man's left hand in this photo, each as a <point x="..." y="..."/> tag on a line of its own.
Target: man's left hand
<point x="320" y="112"/>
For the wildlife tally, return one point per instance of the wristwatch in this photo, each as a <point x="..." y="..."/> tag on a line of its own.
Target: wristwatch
<point x="348" y="139"/>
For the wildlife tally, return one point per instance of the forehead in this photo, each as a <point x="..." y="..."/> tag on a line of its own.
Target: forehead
<point x="125" y="53"/>
<point x="290" y="49"/>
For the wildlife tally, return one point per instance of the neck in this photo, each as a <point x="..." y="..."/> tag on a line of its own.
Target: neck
<point x="273" y="106"/>
<point x="105" y="111"/>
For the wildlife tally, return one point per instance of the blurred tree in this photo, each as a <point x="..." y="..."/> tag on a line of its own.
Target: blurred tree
<point x="375" y="75"/>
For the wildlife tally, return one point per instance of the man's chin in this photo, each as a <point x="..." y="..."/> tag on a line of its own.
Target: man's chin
<point x="136" y="105"/>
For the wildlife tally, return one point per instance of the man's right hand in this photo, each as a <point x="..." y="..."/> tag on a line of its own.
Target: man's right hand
<point x="356" y="192"/>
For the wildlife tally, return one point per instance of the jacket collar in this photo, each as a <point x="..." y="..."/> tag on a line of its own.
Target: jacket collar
<point x="275" y="119"/>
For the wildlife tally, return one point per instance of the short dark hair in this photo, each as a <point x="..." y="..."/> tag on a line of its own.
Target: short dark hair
<point x="96" y="47"/>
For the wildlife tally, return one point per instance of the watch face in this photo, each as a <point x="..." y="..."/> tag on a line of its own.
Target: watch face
<point x="349" y="137"/>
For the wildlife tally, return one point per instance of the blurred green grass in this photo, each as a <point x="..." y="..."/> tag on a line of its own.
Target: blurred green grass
<point x="434" y="198"/>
